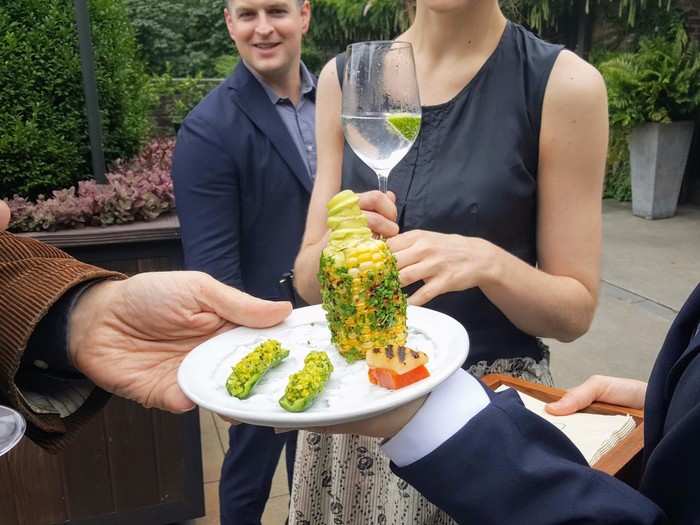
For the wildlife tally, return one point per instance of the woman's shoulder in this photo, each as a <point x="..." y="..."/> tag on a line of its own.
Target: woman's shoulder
<point x="531" y="43"/>
<point x="331" y="75"/>
<point x="574" y="81"/>
<point x="553" y="62"/>
<point x="535" y="56"/>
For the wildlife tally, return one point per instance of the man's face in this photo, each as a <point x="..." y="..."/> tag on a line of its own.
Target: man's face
<point x="268" y="33"/>
<point x="4" y="216"/>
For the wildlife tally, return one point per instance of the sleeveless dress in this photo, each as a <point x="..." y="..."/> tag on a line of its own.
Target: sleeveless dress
<point x="473" y="172"/>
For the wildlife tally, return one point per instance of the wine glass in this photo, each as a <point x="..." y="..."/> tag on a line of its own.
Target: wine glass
<point x="381" y="112"/>
<point x="12" y="427"/>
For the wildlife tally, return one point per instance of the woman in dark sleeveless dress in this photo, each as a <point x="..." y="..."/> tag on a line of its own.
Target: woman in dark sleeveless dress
<point x="499" y="208"/>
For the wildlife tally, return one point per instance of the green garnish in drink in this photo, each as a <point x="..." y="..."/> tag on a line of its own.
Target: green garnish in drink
<point x="406" y="125"/>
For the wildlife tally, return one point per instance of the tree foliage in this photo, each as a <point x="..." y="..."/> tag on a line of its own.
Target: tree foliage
<point x="187" y="37"/>
<point x="337" y="23"/>
<point x="543" y="14"/>
<point x="183" y="37"/>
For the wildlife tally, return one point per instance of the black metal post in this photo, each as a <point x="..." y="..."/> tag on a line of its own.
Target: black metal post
<point x="92" y="107"/>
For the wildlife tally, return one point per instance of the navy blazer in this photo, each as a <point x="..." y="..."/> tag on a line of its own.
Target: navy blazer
<point x="507" y="465"/>
<point x="241" y="187"/>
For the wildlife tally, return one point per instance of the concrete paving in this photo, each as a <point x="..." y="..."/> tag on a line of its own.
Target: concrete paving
<point x="649" y="268"/>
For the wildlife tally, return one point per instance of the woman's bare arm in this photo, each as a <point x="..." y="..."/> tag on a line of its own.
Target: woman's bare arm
<point x="379" y="208"/>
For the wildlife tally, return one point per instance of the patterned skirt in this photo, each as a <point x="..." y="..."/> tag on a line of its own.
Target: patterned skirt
<point x="346" y="480"/>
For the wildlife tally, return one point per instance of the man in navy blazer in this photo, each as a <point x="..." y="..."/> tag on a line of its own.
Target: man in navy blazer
<point x="484" y="458"/>
<point x="243" y="171"/>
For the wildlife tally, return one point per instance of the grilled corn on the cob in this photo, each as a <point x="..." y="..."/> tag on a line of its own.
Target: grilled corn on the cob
<point x="362" y="297"/>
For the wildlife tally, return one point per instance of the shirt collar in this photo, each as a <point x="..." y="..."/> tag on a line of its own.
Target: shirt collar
<point x="308" y="86"/>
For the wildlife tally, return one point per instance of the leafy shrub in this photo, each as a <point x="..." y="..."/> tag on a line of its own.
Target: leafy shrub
<point x="138" y="190"/>
<point x="618" y="184"/>
<point x="225" y="64"/>
<point x="43" y="130"/>
<point x="173" y="98"/>
<point x="182" y="37"/>
<point x="337" y="23"/>
<point x="658" y="83"/>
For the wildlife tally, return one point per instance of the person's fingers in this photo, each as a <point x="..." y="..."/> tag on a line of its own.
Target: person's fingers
<point x="176" y="401"/>
<point x="381" y="225"/>
<point x="4" y="215"/>
<point x="392" y="196"/>
<point x="378" y="202"/>
<point x="243" y="309"/>
<point x="407" y="257"/>
<point x="338" y="429"/>
<point x="426" y="293"/>
<point x="385" y="425"/>
<point x="418" y="271"/>
<point x="230" y="421"/>
<point x="404" y="240"/>
<point x="578" y="397"/>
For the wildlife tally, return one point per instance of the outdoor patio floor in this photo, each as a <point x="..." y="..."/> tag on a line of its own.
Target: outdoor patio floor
<point x="214" y="446"/>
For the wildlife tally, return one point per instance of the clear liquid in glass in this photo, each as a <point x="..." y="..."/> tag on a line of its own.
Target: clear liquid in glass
<point x="375" y="141"/>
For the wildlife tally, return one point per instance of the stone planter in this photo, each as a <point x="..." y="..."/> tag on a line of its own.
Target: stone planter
<point x="658" y="155"/>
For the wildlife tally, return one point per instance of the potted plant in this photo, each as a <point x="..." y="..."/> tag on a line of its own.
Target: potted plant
<point x="653" y="96"/>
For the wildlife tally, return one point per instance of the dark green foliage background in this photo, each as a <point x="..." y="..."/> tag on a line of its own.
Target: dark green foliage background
<point x="182" y="37"/>
<point x="189" y="37"/>
<point x="43" y="129"/>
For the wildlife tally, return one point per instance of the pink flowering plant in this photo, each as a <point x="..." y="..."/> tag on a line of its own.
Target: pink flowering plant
<point x="138" y="190"/>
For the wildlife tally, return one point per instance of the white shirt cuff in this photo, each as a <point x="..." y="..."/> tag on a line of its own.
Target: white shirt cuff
<point x="448" y="408"/>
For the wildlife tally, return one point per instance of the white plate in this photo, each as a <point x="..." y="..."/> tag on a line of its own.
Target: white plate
<point x="348" y="395"/>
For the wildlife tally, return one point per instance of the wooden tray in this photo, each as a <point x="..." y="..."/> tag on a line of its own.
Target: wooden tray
<point x="624" y="459"/>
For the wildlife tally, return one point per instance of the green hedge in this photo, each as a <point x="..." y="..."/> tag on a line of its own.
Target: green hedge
<point x="43" y="128"/>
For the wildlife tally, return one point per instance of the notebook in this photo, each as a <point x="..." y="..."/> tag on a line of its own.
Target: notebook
<point x="593" y="434"/>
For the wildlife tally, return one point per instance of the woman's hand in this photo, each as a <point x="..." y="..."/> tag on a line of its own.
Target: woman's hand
<point x="381" y="213"/>
<point x="445" y="263"/>
<point x="613" y="390"/>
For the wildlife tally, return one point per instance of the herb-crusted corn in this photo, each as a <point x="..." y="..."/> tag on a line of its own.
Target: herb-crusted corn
<point x="305" y="386"/>
<point x="362" y="296"/>
<point x="249" y="370"/>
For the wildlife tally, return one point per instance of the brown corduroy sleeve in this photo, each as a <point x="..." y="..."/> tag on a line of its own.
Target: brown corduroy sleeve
<point x="33" y="276"/>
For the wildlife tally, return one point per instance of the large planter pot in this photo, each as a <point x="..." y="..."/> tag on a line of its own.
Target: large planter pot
<point x="658" y="155"/>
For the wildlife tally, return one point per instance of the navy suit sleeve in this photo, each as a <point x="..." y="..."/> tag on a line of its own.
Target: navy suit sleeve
<point x="507" y="465"/>
<point x="207" y="191"/>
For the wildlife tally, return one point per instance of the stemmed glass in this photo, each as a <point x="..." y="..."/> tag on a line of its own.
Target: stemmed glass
<point x="12" y="427"/>
<point x="381" y="112"/>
